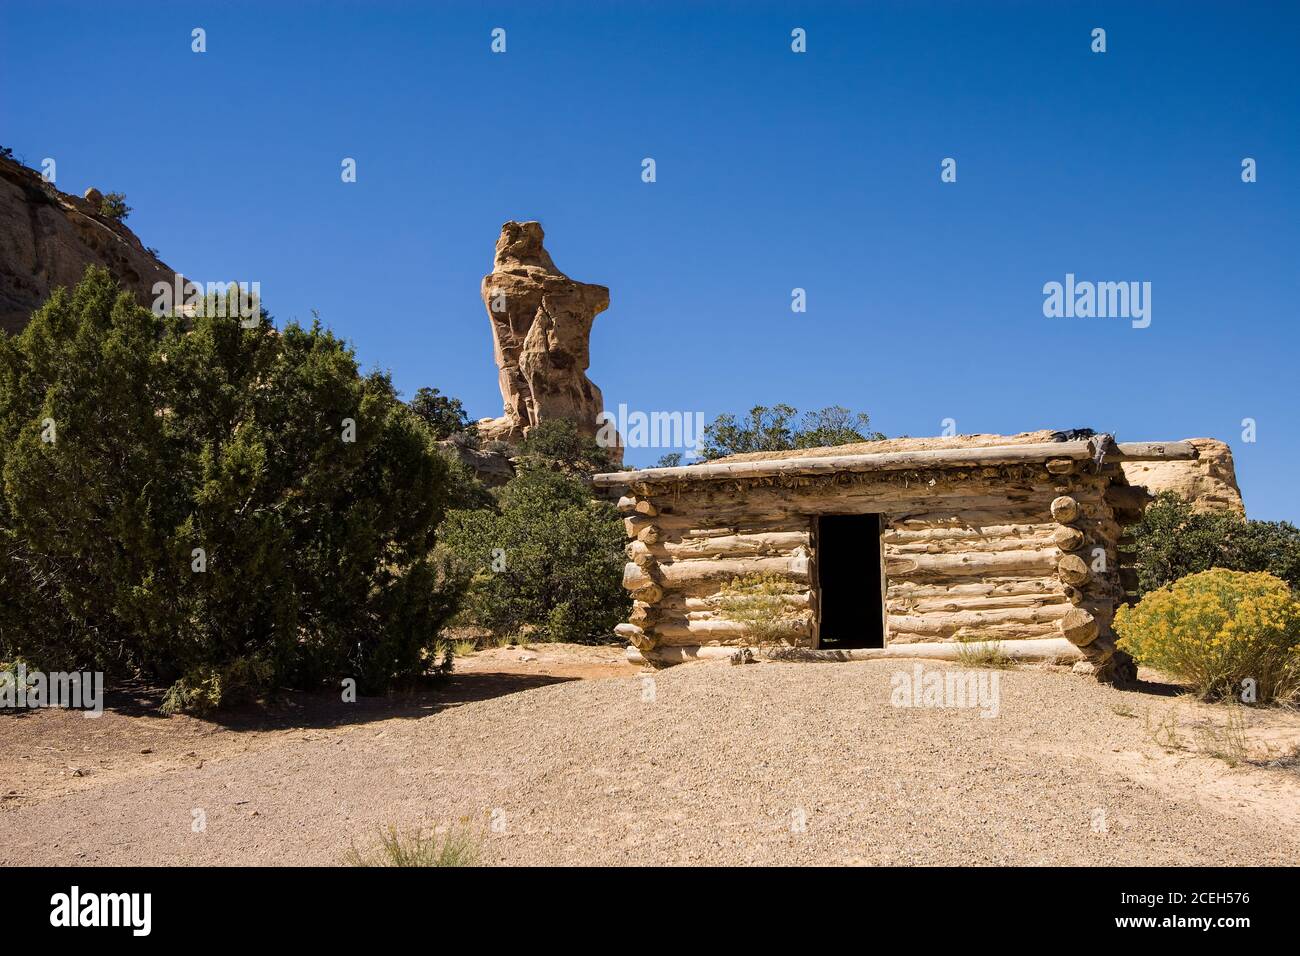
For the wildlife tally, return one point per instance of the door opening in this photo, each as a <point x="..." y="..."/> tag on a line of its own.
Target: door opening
<point x="849" y="581"/>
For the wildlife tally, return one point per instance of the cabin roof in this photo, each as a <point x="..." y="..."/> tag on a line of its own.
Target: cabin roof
<point x="907" y="453"/>
<point x="901" y="444"/>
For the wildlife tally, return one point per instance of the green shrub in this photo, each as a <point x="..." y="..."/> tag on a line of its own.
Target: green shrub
<point x="113" y="206"/>
<point x="558" y="443"/>
<point x="760" y="602"/>
<point x="550" y="560"/>
<point x="180" y="497"/>
<point x="465" y="492"/>
<point x="444" y="415"/>
<point x="1173" y="541"/>
<point x="775" y="429"/>
<point x="1217" y="629"/>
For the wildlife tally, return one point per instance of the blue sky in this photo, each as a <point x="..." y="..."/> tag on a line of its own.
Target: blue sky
<point x="775" y="170"/>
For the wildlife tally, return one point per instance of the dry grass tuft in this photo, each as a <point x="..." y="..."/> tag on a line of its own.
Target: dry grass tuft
<point x="457" y="846"/>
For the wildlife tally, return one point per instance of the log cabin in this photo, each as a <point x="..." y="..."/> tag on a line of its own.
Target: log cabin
<point x="903" y="547"/>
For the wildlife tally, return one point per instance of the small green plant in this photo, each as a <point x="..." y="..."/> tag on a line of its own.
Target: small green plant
<point x="1226" y="741"/>
<point x="1163" y="730"/>
<point x="463" y="647"/>
<point x="975" y="652"/>
<point x="206" y="688"/>
<point x="1222" y="632"/>
<point x="458" y="845"/>
<point x="114" y="207"/>
<point x="761" y="602"/>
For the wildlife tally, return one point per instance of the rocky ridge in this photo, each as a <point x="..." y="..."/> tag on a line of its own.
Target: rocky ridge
<point x="49" y="237"/>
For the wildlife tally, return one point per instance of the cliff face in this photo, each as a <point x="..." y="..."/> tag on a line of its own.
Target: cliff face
<point x="1208" y="482"/>
<point x="48" y="238"/>
<point x="541" y="329"/>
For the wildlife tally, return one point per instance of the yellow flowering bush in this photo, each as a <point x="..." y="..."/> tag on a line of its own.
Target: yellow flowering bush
<point x="1216" y="630"/>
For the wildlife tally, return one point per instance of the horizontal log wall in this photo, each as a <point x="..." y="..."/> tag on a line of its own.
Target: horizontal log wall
<point x="1005" y="553"/>
<point x="692" y="564"/>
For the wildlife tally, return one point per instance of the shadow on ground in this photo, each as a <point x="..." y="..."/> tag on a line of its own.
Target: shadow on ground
<point x="1155" y="688"/>
<point x="317" y="710"/>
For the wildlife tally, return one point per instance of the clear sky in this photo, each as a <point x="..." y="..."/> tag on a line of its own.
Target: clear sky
<point x="775" y="170"/>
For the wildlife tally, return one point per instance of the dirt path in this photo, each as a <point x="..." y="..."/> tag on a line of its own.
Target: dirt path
<point x="570" y="755"/>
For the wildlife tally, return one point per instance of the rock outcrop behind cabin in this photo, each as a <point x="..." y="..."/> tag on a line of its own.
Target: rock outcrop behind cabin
<point x="541" y="329"/>
<point x="49" y="237"/>
<point x="1209" y="482"/>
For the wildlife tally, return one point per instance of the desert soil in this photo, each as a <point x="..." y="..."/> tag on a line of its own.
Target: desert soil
<point x="569" y="755"/>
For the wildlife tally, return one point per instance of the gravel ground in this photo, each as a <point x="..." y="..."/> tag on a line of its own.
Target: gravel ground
<point x="721" y="766"/>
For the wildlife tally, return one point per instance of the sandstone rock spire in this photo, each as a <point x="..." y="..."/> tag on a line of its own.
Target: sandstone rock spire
<point x="541" y="328"/>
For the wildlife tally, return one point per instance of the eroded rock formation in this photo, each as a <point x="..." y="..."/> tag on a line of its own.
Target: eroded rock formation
<point x="1209" y="481"/>
<point x="48" y="238"/>
<point x="492" y="468"/>
<point x="541" y="328"/>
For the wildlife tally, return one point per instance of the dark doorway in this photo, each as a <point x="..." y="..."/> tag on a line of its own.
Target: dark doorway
<point x="849" y="581"/>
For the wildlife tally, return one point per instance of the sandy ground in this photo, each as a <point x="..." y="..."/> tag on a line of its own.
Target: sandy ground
<point x="569" y="755"/>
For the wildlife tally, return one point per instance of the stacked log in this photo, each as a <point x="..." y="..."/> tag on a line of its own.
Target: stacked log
<point x="641" y="574"/>
<point x="1088" y="569"/>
